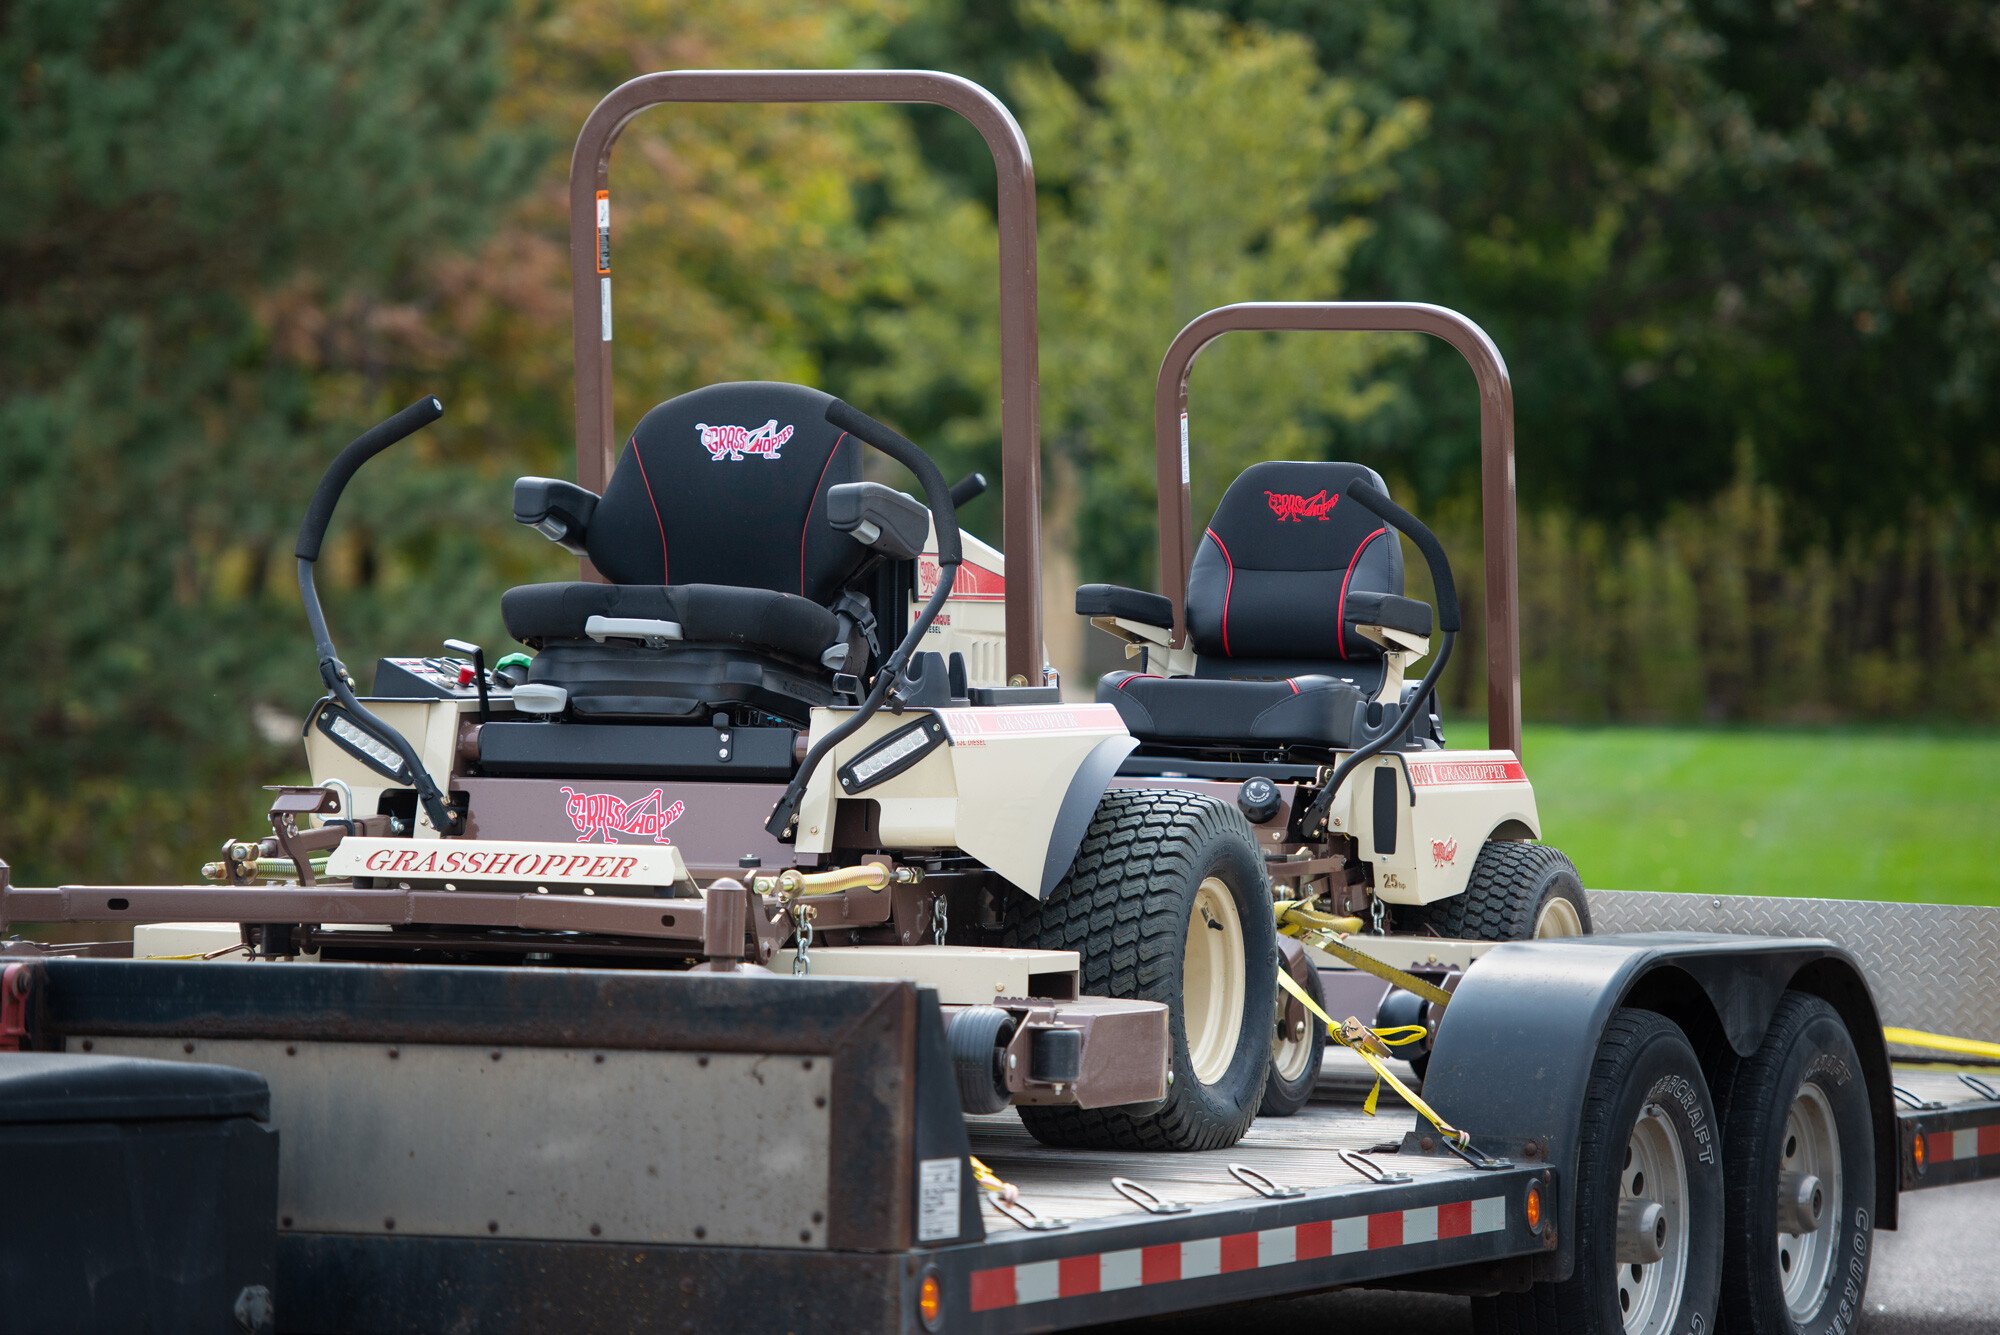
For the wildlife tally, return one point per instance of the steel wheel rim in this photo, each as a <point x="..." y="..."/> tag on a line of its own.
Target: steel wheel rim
<point x="1811" y="1147"/>
<point x="1289" y="1057"/>
<point x="1213" y="981"/>
<point x="1558" y="917"/>
<point x="1649" y="1295"/>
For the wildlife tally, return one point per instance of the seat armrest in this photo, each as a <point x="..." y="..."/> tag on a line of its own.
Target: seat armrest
<point x="560" y="511"/>
<point x="1390" y="611"/>
<point x="880" y="517"/>
<point x="1112" y="600"/>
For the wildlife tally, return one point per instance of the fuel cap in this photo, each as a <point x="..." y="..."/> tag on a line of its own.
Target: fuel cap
<point x="1258" y="798"/>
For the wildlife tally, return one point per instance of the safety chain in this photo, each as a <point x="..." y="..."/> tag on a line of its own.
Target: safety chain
<point x="1376" y="912"/>
<point x="802" y="914"/>
<point x="939" y="920"/>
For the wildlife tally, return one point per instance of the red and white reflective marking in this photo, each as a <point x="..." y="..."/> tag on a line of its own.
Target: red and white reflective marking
<point x="1466" y="767"/>
<point x="1167" y="1263"/>
<point x="1968" y="1142"/>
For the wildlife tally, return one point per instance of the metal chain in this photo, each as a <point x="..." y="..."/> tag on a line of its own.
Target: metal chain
<point x="939" y="920"/>
<point x="1376" y="912"/>
<point x="802" y="914"/>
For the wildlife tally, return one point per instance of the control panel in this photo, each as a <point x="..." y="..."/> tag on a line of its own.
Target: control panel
<point x="433" y="679"/>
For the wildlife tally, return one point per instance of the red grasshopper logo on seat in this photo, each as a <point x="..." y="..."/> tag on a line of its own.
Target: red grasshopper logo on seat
<point x="738" y="442"/>
<point x="1287" y="506"/>
<point x="1444" y="852"/>
<point x="607" y="815"/>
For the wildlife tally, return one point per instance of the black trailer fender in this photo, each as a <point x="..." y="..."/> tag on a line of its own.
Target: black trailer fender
<point x="1514" y="1053"/>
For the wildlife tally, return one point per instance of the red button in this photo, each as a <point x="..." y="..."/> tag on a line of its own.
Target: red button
<point x="465" y="674"/>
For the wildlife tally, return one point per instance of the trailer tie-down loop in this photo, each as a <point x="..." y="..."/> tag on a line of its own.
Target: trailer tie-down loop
<point x="1366" y="1042"/>
<point x="1262" y="1185"/>
<point x="1006" y="1198"/>
<point x="1316" y="929"/>
<point x="1146" y="1198"/>
<point x="1369" y="1169"/>
<point x="1961" y="1047"/>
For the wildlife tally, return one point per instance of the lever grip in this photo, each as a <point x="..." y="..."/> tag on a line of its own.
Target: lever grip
<point x="377" y="438"/>
<point x="1377" y="500"/>
<point x="937" y="494"/>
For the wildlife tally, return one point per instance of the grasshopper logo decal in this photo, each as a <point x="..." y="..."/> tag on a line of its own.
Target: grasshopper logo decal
<point x="1293" y="508"/>
<point x="606" y="816"/>
<point x="737" y="443"/>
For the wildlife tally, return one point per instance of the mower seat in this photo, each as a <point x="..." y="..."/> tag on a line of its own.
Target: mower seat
<point x="1271" y="604"/>
<point x="715" y="521"/>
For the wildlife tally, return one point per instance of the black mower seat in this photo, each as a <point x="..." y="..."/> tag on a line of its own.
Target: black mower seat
<point x="760" y="619"/>
<point x="1273" y="595"/>
<point x="1312" y="709"/>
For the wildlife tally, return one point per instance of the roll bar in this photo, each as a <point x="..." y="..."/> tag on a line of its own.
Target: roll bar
<point x="1496" y="462"/>
<point x="1020" y="426"/>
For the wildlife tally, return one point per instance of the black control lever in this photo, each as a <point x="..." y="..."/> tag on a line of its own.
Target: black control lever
<point x="968" y="488"/>
<point x="1377" y="500"/>
<point x="312" y="531"/>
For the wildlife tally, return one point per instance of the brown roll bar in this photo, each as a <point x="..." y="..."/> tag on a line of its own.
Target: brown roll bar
<point x="1496" y="456"/>
<point x="1020" y="426"/>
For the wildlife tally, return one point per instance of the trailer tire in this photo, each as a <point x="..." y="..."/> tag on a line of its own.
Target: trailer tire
<point x="1802" y="1091"/>
<point x="1295" y="1061"/>
<point x="1153" y="864"/>
<point x="1646" y="1110"/>
<point x="1517" y="891"/>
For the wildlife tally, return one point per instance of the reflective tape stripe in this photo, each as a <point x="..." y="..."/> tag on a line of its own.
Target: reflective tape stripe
<point x="1201" y="1258"/>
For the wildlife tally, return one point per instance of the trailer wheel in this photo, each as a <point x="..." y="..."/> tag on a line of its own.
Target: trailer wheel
<point x="1648" y="1198"/>
<point x="1517" y="891"/>
<point x="1295" y="1057"/>
<point x="1168" y="901"/>
<point x="1798" y="1148"/>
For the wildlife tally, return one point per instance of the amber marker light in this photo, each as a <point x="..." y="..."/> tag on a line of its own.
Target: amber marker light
<point x="1534" y="1207"/>
<point x="1917" y="1150"/>
<point x="930" y="1300"/>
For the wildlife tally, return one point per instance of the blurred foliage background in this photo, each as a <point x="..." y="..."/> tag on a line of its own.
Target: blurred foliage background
<point x="1741" y="256"/>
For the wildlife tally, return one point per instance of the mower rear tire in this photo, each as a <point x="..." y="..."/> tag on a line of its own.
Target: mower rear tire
<point x="1168" y="901"/>
<point x="1517" y="891"/>
<point x="1295" y="1057"/>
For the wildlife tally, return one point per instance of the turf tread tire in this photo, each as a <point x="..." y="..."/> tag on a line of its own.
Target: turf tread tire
<point x="1129" y="936"/>
<point x="1509" y="883"/>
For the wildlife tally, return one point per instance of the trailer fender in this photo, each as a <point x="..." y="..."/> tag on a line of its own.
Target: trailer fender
<point x="1513" y="1056"/>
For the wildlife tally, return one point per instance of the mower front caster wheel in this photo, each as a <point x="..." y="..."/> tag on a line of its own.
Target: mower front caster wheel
<point x="1296" y="1051"/>
<point x="1168" y="901"/>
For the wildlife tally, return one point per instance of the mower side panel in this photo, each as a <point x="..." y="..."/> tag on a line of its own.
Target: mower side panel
<point x="1420" y="817"/>
<point x="1513" y="1055"/>
<point x="1014" y="786"/>
<point x="432" y="727"/>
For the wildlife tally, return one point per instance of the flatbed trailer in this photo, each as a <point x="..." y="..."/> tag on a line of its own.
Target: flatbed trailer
<point x="560" y="1149"/>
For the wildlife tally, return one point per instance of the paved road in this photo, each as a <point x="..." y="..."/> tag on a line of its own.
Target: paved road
<point x="1937" y="1275"/>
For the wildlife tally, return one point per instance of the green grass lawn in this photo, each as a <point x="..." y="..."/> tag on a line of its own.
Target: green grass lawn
<point x="1839" y="814"/>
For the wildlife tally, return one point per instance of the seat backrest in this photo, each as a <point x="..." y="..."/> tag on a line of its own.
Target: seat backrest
<point x="1285" y="550"/>
<point x="727" y="485"/>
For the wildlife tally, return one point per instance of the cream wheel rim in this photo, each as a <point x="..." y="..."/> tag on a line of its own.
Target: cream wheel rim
<point x="1294" y="1049"/>
<point x="1213" y="981"/>
<point x="1558" y="917"/>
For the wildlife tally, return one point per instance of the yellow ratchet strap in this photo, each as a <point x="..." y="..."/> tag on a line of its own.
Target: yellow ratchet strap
<point x="990" y="1183"/>
<point x="1359" y="1038"/>
<point x="1293" y="920"/>
<point x="1960" y="1047"/>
